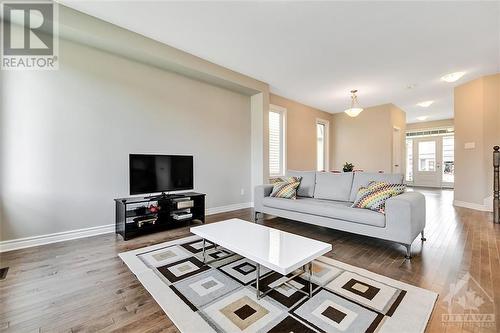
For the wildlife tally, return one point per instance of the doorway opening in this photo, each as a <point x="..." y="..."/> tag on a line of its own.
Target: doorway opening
<point x="430" y="158"/>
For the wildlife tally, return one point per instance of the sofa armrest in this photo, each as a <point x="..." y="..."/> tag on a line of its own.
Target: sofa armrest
<point x="405" y="216"/>
<point x="260" y="192"/>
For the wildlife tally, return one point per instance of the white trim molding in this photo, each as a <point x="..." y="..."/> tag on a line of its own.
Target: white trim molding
<point x="471" y="205"/>
<point x="488" y="203"/>
<point x="228" y="208"/>
<point x="22" y="243"/>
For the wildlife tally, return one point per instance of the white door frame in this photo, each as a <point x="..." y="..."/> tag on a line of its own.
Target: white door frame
<point x="397" y="151"/>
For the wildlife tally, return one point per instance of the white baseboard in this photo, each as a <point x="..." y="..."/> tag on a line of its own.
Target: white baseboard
<point x="471" y="205"/>
<point x="21" y="243"/>
<point x="488" y="203"/>
<point x="228" y="208"/>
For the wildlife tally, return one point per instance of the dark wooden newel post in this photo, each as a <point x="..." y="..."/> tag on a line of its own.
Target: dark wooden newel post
<point x="496" y="185"/>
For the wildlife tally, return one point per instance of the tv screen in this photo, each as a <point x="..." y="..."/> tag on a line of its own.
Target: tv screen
<point x="160" y="173"/>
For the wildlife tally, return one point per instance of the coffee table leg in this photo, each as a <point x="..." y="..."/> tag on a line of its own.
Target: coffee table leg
<point x="203" y="253"/>
<point x="257" y="281"/>
<point x="310" y="276"/>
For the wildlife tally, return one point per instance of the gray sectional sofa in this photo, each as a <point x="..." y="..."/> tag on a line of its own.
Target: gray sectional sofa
<point x="325" y="199"/>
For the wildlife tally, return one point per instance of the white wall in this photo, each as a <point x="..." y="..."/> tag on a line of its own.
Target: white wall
<point x="66" y="136"/>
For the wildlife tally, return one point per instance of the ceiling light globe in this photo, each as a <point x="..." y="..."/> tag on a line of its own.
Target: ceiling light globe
<point x="425" y="104"/>
<point x="452" y="77"/>
<point x="353" y="112"/>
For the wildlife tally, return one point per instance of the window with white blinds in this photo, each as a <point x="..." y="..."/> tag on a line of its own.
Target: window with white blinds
<point x="322" y="129"/>
<point x="276" y="142"/>
<point x="320" y="146"/>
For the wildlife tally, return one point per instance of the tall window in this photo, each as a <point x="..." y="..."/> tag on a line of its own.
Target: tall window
<point x="277" y="141"/>
<point x="321" y="145"/>
<point x="448" y="159"/>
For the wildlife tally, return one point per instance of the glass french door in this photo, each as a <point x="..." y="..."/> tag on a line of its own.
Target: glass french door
<point x="426" y="166"/>
<point x="432" y="161"/>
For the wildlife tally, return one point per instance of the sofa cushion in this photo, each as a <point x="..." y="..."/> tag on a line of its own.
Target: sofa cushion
<point x="361" y="179"/>
<point x="333" y="186"/>
<point x="307" y="184"/>
<point x="330" y="209"/>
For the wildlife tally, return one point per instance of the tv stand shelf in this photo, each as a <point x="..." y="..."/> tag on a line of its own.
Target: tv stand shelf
<point x="136" y="216"/>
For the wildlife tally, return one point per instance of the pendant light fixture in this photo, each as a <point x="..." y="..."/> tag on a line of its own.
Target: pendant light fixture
<point x="355" y="109"/>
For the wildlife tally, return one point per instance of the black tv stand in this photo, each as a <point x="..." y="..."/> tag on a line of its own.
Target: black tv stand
<point x="137" y="216"/>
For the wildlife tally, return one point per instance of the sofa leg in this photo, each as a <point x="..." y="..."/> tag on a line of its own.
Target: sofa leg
<point x="408" y="251"/>
<point x="256" y="217"/>
<point x="423" y="237"/>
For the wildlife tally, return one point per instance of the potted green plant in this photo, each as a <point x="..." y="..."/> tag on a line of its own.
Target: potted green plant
<point x="348" y="167"/>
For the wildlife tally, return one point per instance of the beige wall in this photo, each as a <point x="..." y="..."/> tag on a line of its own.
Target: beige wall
<point x="491" y="125"/>
<point x="477" y="120"/>
<point x="366" y="140"/>
<point x="301" y="133"/>
<point x="430" y="124"/>
<point x="398" y="120"/>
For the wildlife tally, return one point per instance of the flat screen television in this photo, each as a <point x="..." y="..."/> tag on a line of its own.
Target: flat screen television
<point x="160" y="173"/>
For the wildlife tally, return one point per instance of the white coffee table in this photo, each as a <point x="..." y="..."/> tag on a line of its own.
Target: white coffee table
<point x="277" y="250"/>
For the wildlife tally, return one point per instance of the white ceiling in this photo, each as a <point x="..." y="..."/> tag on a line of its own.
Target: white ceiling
<point x="315" y="52"/>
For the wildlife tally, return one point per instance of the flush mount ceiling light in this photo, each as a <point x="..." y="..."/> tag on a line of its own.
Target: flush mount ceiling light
<point x="425" y="104"/>
<point x="422" y="118"/>
<point x="355" y="109"/>
<point x="452" y="77"/>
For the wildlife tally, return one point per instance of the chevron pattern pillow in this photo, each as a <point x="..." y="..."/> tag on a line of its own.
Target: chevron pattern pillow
<point x="285" y="187"/>
<point x="285" y="180"/>
<point x="375" y="195"/>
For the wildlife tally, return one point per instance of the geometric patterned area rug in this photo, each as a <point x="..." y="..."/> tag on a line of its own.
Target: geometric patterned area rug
<point x="220" y="297"/>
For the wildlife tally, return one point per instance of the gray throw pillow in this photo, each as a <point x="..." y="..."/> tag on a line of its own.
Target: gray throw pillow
<point x="307" y="184"/>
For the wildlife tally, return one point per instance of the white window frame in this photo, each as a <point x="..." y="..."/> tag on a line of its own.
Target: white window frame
<point x="326" y="123"/>
<point x="282" y="111"/>
<point x="409" y="167"/>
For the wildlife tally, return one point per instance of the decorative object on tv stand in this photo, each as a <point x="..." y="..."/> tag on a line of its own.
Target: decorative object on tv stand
<point x="348" y="167"/>
<point x="355" y="108"/>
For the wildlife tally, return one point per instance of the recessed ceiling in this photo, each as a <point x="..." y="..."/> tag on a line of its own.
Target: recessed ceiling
<point x="316" y="52"/>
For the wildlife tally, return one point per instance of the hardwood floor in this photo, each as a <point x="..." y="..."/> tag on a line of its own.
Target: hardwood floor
<point x="82" y="285"/>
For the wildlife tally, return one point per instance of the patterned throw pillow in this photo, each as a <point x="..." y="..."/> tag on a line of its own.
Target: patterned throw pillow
<point x="285" y="187"/>
<point x="375" y="195"/>
<point x="286" y="190"/>
<point x="285" y="180"/>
